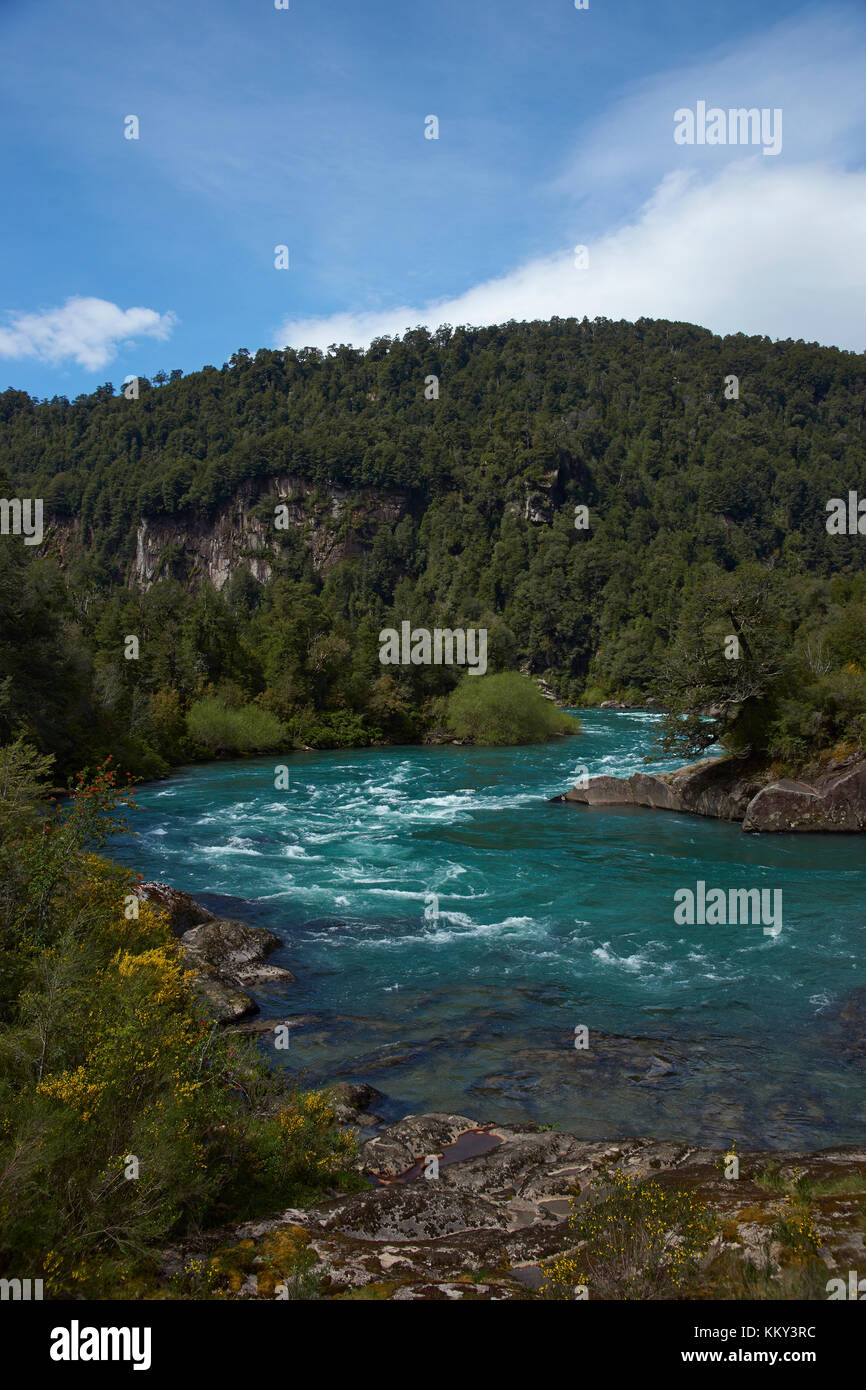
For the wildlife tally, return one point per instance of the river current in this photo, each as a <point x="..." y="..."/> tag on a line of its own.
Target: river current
<point x="450" y="929"/>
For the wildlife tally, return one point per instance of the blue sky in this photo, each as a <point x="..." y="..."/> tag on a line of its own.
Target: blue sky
<point x="305" y="127"/>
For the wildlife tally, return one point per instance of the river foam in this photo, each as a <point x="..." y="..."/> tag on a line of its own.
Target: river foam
<point x="450" y="928"/>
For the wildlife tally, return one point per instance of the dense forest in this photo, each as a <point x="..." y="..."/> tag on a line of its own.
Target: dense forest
<point x="706" y="511"/>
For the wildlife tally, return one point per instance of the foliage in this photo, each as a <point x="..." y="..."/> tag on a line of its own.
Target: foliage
<point x="707" y="519"/>
<point x="249" y="729"/>
<point x="636" y="1240"/>
<point x="502" y="709"/>
<point x="126" y="1117"/>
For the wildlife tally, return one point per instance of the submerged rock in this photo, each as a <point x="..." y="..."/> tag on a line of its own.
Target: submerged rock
<point x="843" y="1027"/>
<point x="261" y="1026"/>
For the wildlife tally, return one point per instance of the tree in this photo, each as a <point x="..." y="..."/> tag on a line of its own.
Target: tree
<point x="725" y="666"/>
<point x="502" y="709"/>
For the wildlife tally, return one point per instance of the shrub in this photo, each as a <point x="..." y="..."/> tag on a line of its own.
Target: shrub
<point x="248" y="729"/>
<point x="332" y="729"/>
<point x="502" y="709"/>
<point x="126" y="1117"/>
<point x="637" y="1241"/>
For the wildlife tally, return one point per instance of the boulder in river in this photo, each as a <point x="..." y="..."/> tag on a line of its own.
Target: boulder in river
<point x="223" y="1001"/>
<point x="831" y="799"/>
<point x="226" y="955"/>
<point x="352" y="1103"/>
<point x="235" y="951"/>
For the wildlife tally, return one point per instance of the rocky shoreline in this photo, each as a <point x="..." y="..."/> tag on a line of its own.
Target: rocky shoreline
<point x="453" y="1208"/>
<point x="486" y="1226"/>
<point x="223" y="954"/>
<point x="830" y="798"/>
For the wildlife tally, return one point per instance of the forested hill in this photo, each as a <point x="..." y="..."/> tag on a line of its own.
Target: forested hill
<point x="687" y="481"/>
<point x="619" y="411"/>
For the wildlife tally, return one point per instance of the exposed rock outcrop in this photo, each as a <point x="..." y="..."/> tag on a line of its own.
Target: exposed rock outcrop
<point x="235" y="951"/>
<point x="227" y="955"/>
<point x="183" y="911"/>
<point x="333" y="522"/>
<point x="832" y="799"/>
<point x="485" y="1227"/>
<point x="224" y="955"/>
<point x="223" y="1001"/>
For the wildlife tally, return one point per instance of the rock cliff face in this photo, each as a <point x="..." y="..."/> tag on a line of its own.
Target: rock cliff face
<point x="331" y="522"/>
<point x="832" y="799"/>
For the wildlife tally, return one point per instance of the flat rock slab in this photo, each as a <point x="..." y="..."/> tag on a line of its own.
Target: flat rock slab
<point x="485" y="1228"/>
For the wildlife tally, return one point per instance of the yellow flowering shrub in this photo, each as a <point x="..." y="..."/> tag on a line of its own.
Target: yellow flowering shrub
<point x="635" y="1239"/>
<point x="127" y="1117"/>
<point x="137" y="1116"/>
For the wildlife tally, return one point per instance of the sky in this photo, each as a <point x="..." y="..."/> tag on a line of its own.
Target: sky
<point x="308" y="128"/>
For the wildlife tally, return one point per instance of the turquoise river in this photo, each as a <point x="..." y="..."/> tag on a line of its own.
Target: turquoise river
<point x="450" y="928"/>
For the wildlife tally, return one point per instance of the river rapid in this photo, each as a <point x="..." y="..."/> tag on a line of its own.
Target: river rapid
<point x="450" y="929"/>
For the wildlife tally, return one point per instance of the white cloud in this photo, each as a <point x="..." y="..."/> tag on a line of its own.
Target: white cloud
<point x="716" y="235"/>
<point x="811" y="69"/>
<point x="87" y="330"/>
<point x="755" y="250"/>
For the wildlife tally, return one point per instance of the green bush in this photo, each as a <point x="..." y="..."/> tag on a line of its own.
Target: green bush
<point x="332" y="729"/>
<point x="501" y="709"/>
<point x="126" y="1117"/>
<point x="637" y="1240"/>
<point x="248" y="729"/>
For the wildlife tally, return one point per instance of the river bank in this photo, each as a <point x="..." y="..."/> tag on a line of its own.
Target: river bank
<point x="448" y="929"/>
<point x="453" y="1208"/>
<point x="488" y="1226"/>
